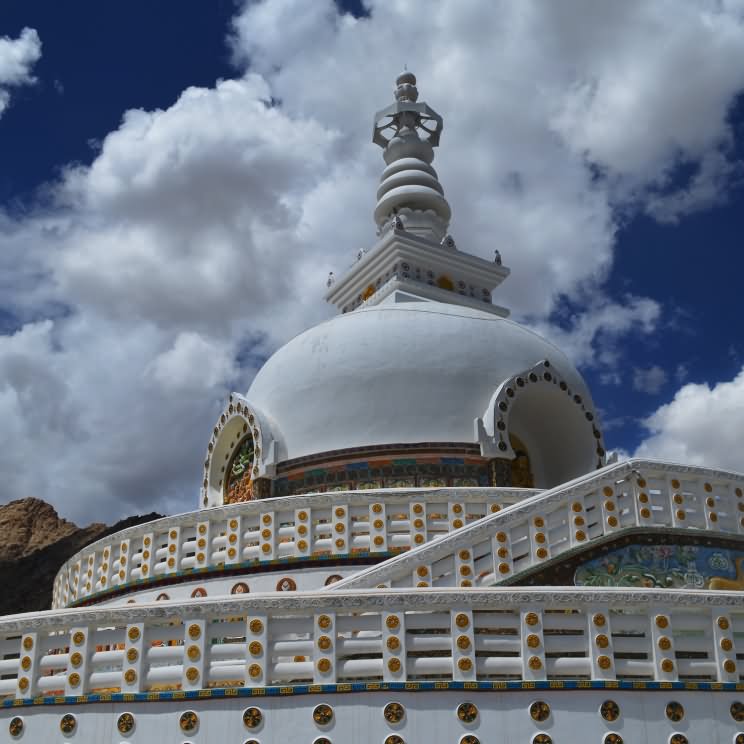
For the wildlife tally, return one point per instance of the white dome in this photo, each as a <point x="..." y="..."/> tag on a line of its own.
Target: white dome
<point x="413" y="372"/>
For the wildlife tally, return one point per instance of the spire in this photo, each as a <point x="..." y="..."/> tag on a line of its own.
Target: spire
<point x="408" y="132"/>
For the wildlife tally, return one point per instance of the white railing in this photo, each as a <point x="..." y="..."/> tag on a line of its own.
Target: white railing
<point x="344" y="523"/>
<point x="633" y="494"/>
<point x="396" y="636"/>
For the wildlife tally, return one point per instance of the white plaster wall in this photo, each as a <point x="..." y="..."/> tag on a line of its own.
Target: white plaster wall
<point x="430" y="719"/>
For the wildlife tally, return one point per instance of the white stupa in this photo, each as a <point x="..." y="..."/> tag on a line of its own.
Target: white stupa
<point x="407" y="532"/>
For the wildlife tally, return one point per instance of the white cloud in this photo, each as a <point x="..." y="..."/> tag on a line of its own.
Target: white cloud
<point x="17" y="58"/>
<point x="702" y="425"/>
<point x="649" y="380"/>
<point x="200" y="236"/>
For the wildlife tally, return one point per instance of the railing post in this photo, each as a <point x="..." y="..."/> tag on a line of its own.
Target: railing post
<point x="378" y="528"/>
<point x="76" y="574"/>
<point x="194" y="651"/>
<point x="147" y="555"/>
<point x="173" y="558"/>
<point x="234" y="540"/>
<point x="76" y="674"/>
<point x="107" y="567"/>
<point x="610" y="518"/>
<point x="133" y="662"/>
<point x="662" y="639"/>
<point x="304" y="538"/>
<point x="340" y="536"/>
<point x="539" y="543"/>
<point x="456" y="515"/>
<point x="202" y="556"/>
<point x="393" y="646"/>
<point x="268" y="537"/>
<point x="503" y="563"/>
<point x="711" y="513"/>
<point x="257" y="657"/>
<point x="464" y="567"/>
<point x="89" y="580"/>
<point x="324" y="648"/>
<point x="599" y="638"/>
<point x="577" y="521"/>
<point x="26" y="684"/>
<point x="677" y="501"/>
<point x="417" y="516"/>
<point x="463" y="645"/>
<point x="125" y="562"/>
<point x="725" y="650"/>
<point x="533" y="645"/>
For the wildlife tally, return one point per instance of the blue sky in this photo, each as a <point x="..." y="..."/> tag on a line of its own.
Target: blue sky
<point x="152" y="258"/>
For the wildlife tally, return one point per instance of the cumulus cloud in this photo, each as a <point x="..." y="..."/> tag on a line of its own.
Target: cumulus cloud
<point x="17" y="58"/>
<point x="702" y="425"/>
<point x="649" y="380"/>
<point x="199" y="237"/>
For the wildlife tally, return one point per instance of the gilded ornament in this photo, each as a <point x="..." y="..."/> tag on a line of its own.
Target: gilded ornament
<point x="133" y="633"/>
<point x="729" y="666"/>
<point x="266" y="519"/>
<point x="457" y="523"/>
<point x="678" y="739"/>
<point x="76" y="659"/>
<point x="463" y="642"/>
<point x="531" y="618"/>
<point x="302" y="516"/>
<point x="674" y="711"/>
<point x="610" y="505"/>
<point x="146" y="555"/>
<point x="323" y="714"/>
<point x="541" y="553"/>
<point x="643" y="498"/>
<point x="469" y="739"/>
<point x="708" y="487"/>
<point x="23" y="684"/>
<point x="171" y="562"/>
<point x="539" y="711"/>
<point x="394" y="712"/>
<point x="726" y="644"/>
<point x="604" y="662"/>
<point x="68" y="723"/>
<point x="233" y="524"/>
<point x="74" y="679"/>
<point x="610" y="710"/>
<point x="501" y="536"/>
<point x="641" y="483"/>
<point x="678" y="498"/>
<point x="252" y="717"/>
<point x="340" y="512"/>
<point x="535" y="663"/>
<point x="738" y="492"/>
<point x="254" y="670"/>
<point x="645" y="513"/>
<point x="78" y="638"/>
<point x="130" y="676"/>
<point x="194" y="631"/>
<point x="324" y="642"/>
<point x="576" y="506"/>
<point x="418" y="524"/>
<point x="417" y="508"/>
<point x="542" y="739"/>
<point x="737" y="711"/>
<point x="579" y="521"/>
<point x="28" y="643"/>
<point x="457" y="509"/>
<point x="661" y="621"/>
<point x="422" y="584"/>
<point x="15" y="727"/>
<point x="193" y="652"/>
<point x="420" y="538"/>
<point x="612" y="738"/>
<point x="132" y="655"/>
<point x="324" y="622"/>
<point x="680" y="514"/>
<point x="394" y="739"/>
<point x="378" y="541"/>
<point x="580" y="535"/>
<point x="202" y="531"/>
<point x="378" y="524"/>
<point x="602" y="641"/>
<point x="26" y="663"/>
<point x="231" y="553"/>
<point x="188" y="721"/>
<point x="504" y="568"/>
<point x="539" y="522"/>
<point x="495" y="508"/>
<point x="173" y="535"/>
<point x="533" y="640"/>
<point x="465" y="570"/>
<point x="394" y="665"/>
<point x="607" y="491"/>
<point x="667" y="665"/>
<point x="339" y="528"/>
<point x="713" y="517"/>
<point x="539" y="537"/>
<point x="422" y="570"/>
<point x="664" y="643"/>
<point x="393" y="643"/>
<point x="612" y="521"/>
<point x="462" y="620"/>
<point x="467" y="712"/>
<point x="502" y="552"/>
<point x="302" y="545"/>
<point x="392" y="622"/>
<point x="265" y="534"/>
<point x="256" y="626"/>
<point x="192" y="674"/>
<point x="266" y="548"/>
<point x="464" y="555"/>
<point x="466" y="582"/>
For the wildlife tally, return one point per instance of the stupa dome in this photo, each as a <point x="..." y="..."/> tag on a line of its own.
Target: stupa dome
<point x="427" y="372"/>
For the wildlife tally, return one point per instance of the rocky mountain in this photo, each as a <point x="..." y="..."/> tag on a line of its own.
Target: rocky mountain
<point x="35" y="542"/>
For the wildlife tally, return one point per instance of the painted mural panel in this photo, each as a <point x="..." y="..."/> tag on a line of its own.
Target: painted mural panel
<point x="667" y="566"/>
